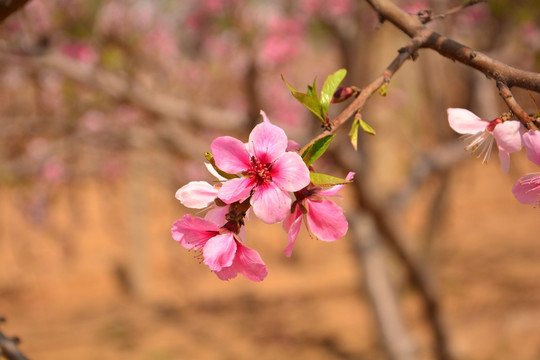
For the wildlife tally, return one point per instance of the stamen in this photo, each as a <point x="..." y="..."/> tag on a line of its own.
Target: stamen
<point x="479" y="144"/>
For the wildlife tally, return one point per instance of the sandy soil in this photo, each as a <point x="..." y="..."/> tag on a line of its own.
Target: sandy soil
<point x="85" y="286"/>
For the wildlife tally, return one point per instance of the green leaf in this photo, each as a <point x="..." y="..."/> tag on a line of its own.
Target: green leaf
<point x="314" y="151"/>
<point x="329" y="88"/>
<point x="309" y="100"/>
<point x="208" y="155"/>
<point x="353" y="134"/>
<point x="319" y="179"/>
<point x="367" y="129"/>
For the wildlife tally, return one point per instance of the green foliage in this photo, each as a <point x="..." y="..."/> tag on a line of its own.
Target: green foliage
<point x="319" y="179"/>
<point x="319" y="106"/>
<point x="353" y="133"/>
<point x="314" y="151"/>
<point x="329" y="88"/>
<point x="309" y="100"/>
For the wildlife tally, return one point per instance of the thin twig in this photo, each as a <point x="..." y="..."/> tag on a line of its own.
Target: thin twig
<point x="8" y="347"/>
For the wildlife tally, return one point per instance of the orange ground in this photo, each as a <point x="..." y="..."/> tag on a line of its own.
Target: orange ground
<point x="65" y="293"/>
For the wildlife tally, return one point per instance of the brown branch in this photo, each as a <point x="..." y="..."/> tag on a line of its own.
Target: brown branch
<point x="452" y="11"/>
<point x="8" y="347"/>
<point x="8" y="7"/>
<point x="160" y="104"/>
<point x="381" y="292"/>
<point x="513" y="105"/>
<point x="366" y="92"/>
<point x="500" y="72"/>
<point x="390" y="229"/>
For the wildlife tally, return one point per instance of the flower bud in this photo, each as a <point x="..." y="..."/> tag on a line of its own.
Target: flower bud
<point x="342" y="94"/>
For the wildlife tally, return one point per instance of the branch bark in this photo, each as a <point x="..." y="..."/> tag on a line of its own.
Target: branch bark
<point x="500" y="72"/>
<point x="8" y="7"/>
<point x="115" y="86"/>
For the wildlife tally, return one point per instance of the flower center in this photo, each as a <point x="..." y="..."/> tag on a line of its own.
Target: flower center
<point x="260" y="171"/>
<point x="493" y="123"/>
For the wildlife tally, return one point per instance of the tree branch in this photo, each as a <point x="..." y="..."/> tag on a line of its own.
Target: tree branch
<point x="115" y="86"/>
<point x="8" y="347"/>
<point x="8" y="7"/>
<point x="500" y="72"/>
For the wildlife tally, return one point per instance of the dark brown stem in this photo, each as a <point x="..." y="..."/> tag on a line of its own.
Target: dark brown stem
<point x="8" y="347"/>
<point x="500" y="72"/>
<point x="513" y="105"/>
<point x="8" y="7"/>
<point x="405" y="53"/>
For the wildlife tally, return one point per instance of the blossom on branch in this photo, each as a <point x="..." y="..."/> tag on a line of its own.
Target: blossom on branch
<point x="222" y="249"/>
<point x="323" y="218"/>
<point x="479" y="135"/>
<point x="527" y="189"/>
<point x="268" y="172"/>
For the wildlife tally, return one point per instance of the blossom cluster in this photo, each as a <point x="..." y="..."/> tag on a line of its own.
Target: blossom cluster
<point x="510" y="136"/>
<point x="259" y="176"/>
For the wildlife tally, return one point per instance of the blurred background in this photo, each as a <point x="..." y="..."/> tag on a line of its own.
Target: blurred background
<point x="107" y="108"/>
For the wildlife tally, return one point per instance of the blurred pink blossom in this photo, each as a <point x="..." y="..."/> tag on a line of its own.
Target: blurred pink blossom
<point x="53" y="170"/>
<point x="159" y="42"/>
<point x="81" y="52"/>
<point x="93" y="121"/>
<point x="282" y="40"/>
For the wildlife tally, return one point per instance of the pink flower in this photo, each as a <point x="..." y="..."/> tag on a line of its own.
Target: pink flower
<point x="323" y="218"/>
<point x="479" y="135"/>
<point x="222" y="249"/>
<point x="531" y="140"/>
<point x="268" y="171"/>
<point x="197" y="194"/>
<point x="527" y="189"/>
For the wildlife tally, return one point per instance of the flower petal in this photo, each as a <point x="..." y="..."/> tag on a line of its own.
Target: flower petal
<point x="267" y="142"/>
<point x="219" y="251"/>
<point x="193" y="232"/>
<point x="326" y="220"/>
<point x="292" y="224"/>
<point x="508" y="135"/>
<point x="463" y="121"/>
<point x="230" y="154"/>
<point x="270" y="203"/>
<point x="227" y="273"/>
<point x="290" y="173"/>
<point x="217" y="214"/>
<point x="235" y="190"/>
<point x="531" y="140"/>
<point x="248" y="262"/>
<point x="527" y="189"/>
<point x="197" y="194"/>
<point x="504" y="157"/>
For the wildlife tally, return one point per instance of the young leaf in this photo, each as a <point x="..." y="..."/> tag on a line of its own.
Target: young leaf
<point x="313" y="152"/>
<point x="306" y="156"/>
<point x="329" y="88"/>
<point x="208" y="155"/>
<point x="353" y="134"/>
<point x="319" y="179"/>
<point x="367" y="129"/>
<point x="309" y="100"/>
